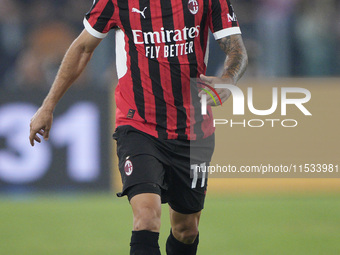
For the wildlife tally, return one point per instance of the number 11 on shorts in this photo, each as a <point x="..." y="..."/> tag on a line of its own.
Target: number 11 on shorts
<point x="201" y="169"/>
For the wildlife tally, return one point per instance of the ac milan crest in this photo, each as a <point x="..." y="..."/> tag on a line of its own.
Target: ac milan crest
<point x="193" y="6"/>
<point x="128" y="168"/>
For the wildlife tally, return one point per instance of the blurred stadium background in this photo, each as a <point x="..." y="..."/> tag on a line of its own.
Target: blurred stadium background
<point x="59" y="196"/>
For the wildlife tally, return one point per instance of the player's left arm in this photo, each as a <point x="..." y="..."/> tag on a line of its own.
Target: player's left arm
<point x="234" y="66"/>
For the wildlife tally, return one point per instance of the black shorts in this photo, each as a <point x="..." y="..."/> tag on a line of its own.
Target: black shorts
<point x="165" y="167"/>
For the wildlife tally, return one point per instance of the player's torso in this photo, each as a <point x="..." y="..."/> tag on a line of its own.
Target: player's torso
<point x="172" y="31"/>
<point x="164" y="44"/>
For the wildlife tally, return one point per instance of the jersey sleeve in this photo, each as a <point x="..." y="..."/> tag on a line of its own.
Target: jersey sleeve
<point x="101" y="18"/>
<point x="223" y="20"/>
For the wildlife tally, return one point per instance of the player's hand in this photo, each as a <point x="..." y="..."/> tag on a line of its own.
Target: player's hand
<point x="223" y="93"/>
<point x="40" y="124"/>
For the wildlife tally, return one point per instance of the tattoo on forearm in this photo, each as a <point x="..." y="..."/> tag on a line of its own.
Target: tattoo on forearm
<point x="237" y="60"/>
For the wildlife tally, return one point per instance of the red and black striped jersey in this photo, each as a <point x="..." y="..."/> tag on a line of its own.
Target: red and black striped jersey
<point x="161" y="46"/>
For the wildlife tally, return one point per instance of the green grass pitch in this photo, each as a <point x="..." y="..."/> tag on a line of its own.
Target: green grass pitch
<point x="235" y="224"/>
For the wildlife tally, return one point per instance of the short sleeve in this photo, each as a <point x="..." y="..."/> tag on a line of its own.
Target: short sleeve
<point x="101" y="18"/>
<point x="223" y="20"/>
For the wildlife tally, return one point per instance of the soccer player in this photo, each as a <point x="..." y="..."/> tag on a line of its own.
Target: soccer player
<point x="161" y="46"/>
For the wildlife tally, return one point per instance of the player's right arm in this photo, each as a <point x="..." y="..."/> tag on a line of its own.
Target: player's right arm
<point x="74" y="62"/>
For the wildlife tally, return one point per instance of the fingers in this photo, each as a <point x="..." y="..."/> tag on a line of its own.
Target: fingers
<point x="34" y="135"/>
<point x="207" y="79"/>
<point x="37" y="138"/>
<point x="31" y="141"/>
<point x="40" y="125"/>
<point x="46" y="134"/>
<point x="211" y="102"/>
<point x="224" y="95"/>
<point x="211" y="98"/>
